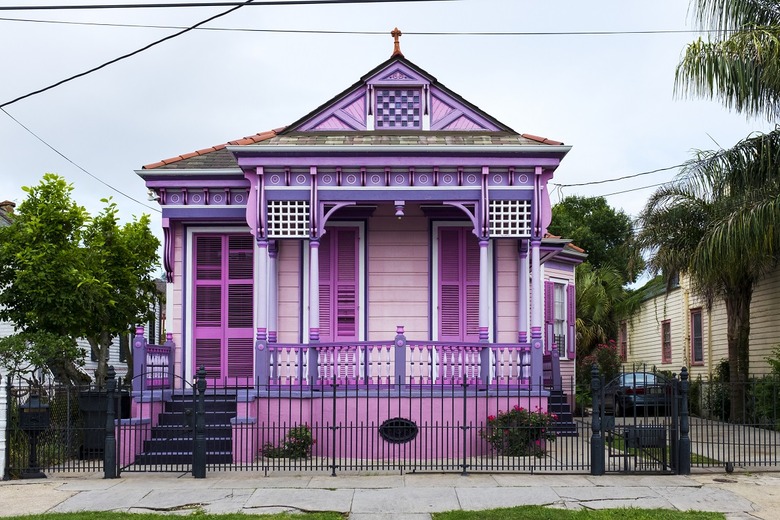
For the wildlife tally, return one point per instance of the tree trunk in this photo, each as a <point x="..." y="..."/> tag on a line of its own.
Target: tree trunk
<point x="100" y="346"/>
<point x="738" y="334"/>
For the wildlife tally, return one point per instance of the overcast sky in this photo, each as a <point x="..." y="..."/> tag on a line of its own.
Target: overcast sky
<point x="609" y="96"/>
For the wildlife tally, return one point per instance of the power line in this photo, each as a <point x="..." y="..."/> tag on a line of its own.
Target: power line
<point x="632" y="176"/>
<point x="128" y="55"/>
<point x="41" y="139"/>
<point x="199" y="4"/>
<point x="368" y="33"/>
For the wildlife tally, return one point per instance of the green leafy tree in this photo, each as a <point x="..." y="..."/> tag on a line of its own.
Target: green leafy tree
<point x="717" y="225"/>
<point x="606" y="234"/>
<point x="739" y="64"/>
<point x="64" y="274"/>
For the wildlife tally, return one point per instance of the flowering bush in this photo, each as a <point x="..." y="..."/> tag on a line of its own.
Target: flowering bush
<point x="519" y="432"/>
<point x="297" y="444"/>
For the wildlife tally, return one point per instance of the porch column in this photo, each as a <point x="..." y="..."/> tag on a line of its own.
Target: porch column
<point x="273" y="291"/>
<point x="314" y="290"/>
<point x="261" y="289"/>
<point x="522" y="291"/>
<point x="536" y="314"/>
<point x="483" y="290"/>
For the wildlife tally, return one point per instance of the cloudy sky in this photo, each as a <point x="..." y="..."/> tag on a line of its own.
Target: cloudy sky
<point x="609" y="96"/>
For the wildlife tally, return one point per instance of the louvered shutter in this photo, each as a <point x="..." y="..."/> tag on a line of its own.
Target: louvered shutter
<point x="240" y="308"/>
<point x="571" y="320"/>
<point x="338" y="289"/>
<point x="224" y="307"/>
<point x="450" y="287"/>
<point x="470" y="245"/>
<point x="549" y="315"/>
<point x="208" y="304"/>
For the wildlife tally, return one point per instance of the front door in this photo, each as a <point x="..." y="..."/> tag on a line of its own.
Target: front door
<point x="223" y="307"/>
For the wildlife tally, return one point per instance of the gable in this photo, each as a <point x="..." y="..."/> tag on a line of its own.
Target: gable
<point x="398" y="95"/>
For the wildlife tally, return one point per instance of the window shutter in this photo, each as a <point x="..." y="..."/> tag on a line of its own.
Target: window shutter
<point x="450" y="288"/>
<point x="325" y="293"/>
<point x="471" y="255"/>
<point x="346" y="284"/>
<point x="571" y="320"/>
<point x="549" y="315"/>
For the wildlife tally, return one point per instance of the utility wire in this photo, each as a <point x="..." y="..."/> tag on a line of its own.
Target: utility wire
<point x="200" y="4"/>
<point x="52" y="148"/>
<point x="640" y="174"/>
<point x="368" y="33"/>
<point x="125" y="56"/>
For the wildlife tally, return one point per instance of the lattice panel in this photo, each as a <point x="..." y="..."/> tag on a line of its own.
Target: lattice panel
<point x="510" y="218"/>
<point x="397" y="108"/>
<point x="288" y="219"/>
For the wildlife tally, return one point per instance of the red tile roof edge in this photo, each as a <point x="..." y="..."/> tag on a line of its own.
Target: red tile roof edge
<point x="543" y="140"/>
<point x="252" y="139"/>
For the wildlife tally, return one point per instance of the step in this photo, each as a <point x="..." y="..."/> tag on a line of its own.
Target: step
<point x="183" y="419"/>
<point x="209" y="406"/>
<point x="175" y="431"/>
<point x="182" y="457"/>
<point x="185" y="444"/>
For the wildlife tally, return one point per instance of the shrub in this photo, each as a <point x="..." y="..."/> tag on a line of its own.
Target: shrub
<point x="519" y="432"/>
<point x="297" y="444"/>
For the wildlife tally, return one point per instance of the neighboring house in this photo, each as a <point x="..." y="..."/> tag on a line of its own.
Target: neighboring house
<point x="395" y="233"/>
<point x="674" y="328"/>
<point x="6" y="213"/>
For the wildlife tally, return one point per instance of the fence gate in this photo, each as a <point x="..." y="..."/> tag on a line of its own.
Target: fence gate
<point x="641" y="420"/>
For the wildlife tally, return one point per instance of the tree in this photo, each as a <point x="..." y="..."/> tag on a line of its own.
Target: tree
<point x="740" y="64"/>
<point x="717" y="225"/>
<point x="606" y="234"/>
<point x="65" y="274"/>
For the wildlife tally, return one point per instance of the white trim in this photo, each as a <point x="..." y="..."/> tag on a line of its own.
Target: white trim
<point x="435" y="278"/>
<point x="189" y="265"/>
<point x="362" y="319"/>
<point x="565" y="283"/>
<point x="3" y="422"/>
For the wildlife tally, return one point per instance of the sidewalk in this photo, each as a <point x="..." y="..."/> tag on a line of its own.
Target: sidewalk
<point x="399" y="497"/>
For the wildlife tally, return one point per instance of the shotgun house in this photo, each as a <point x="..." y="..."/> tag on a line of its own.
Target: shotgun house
<point x="394" y="237"/>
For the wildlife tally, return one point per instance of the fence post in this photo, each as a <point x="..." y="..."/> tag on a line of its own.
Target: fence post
<point x="596" y="439"/>
<point x="684" y="447"/>
<point x="139" y="360"/>
<point x="262" y="360"/>
<point x="109" y="448"/>
<point x="400" y="356"/>
<point x="199" y="454"/>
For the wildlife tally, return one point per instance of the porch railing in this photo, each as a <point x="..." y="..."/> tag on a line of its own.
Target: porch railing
<point x="152" y="364"/>
<point x="394" y="362"/>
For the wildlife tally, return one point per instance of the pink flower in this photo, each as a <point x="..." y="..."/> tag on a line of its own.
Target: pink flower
<point x="491" y="418"/>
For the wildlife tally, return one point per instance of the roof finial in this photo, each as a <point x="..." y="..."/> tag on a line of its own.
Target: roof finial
<point x="396" y="34"/>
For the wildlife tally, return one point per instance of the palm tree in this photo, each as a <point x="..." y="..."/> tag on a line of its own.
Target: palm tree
<point x="716" y="223"/>
<point x="740" y="63"/>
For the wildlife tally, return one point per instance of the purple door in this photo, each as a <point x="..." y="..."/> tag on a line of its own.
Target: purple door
<point x="224" y="307"/>
<point x="458" y="284"/>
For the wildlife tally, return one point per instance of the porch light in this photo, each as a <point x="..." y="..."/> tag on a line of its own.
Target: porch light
<point x="399" y="208"/>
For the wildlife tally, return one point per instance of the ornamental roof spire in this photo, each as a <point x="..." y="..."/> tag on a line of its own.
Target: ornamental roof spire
<point x="396" y="34"/>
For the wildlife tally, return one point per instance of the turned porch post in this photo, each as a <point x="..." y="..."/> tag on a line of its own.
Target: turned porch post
<point x="261" y="291"/>
<point x="522" y="292"/>
<point x="273" y="291"/>
<point x="314" y="290"/>
<point x="536" y="313"/>
<point x="483" y="290"/>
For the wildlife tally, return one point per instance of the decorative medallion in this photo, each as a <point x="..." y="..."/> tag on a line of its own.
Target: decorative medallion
<point x="175" y="198"/>
<point x="239" y="198"/>
<point x="301" y="179"/>
<point x="497" y="179"/>
<point x="196" y="199"/>
<point x="275" y="179"/>
<point x="351" y="179"/>
<point x="523" y="178"/>
<point x="375" y="179"/>
<point x="217" y="199"/>
<point x="399" y="179"/>
<point x="398" y="430"/>
<point x="447" y="179"/>
<point x="471" y="179"/>
<point x="327" y="179"/>
<point x="423" y="179"/>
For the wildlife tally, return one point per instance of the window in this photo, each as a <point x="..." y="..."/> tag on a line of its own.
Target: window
<point x="623" y="341"/>
<point x="398" y="108"/>
<point x="559" y="319"/>
<point x="666" y="341"/>
<point x="697" y="346"/>
<point x="124" y="346"/>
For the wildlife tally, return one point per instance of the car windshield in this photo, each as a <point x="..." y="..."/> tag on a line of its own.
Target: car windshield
<point x="639" y="379"/>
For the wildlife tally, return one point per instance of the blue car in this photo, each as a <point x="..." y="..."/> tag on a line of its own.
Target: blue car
<point x="633" y="390"/>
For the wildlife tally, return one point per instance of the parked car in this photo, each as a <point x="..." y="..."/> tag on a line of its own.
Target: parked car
<point x="634" y="390"/>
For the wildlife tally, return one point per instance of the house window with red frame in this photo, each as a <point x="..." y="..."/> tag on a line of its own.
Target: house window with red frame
<point x="623" y="341"/>
<point x="666" y="341"/>
<point x="697" y="342"/>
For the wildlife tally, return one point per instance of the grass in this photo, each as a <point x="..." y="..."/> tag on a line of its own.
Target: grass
<point x="102" y="515"/>
<point x="545" y="513"/>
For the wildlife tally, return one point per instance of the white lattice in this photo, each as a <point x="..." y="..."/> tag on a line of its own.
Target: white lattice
<point x="288" y="219"/>
<point x="510" y="218"/>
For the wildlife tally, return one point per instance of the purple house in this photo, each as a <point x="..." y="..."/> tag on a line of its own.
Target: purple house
<point x="393" y="237"/>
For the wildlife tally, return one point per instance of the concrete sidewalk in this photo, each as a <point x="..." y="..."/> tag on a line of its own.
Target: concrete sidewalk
<point x="398" y="497"/>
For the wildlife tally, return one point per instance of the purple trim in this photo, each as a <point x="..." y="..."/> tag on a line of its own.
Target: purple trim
<point x="336" y="110"/>
<point x="392" y="194"/>
<point x="262" y="334"/>
<point x="168" y="250"/>
<point x="314" y="334"/>
<point x="177" y="183"/>
<point x="252" y="212"/>
<point x="522" y="336"/>
<point x="453" y="157"/>
<point x="458" y="110"/>
<point x="209" y="213"/>
<point x="553" y="264"/>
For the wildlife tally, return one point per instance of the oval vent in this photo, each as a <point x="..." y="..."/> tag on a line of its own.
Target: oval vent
<point x="398" y="430"/>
